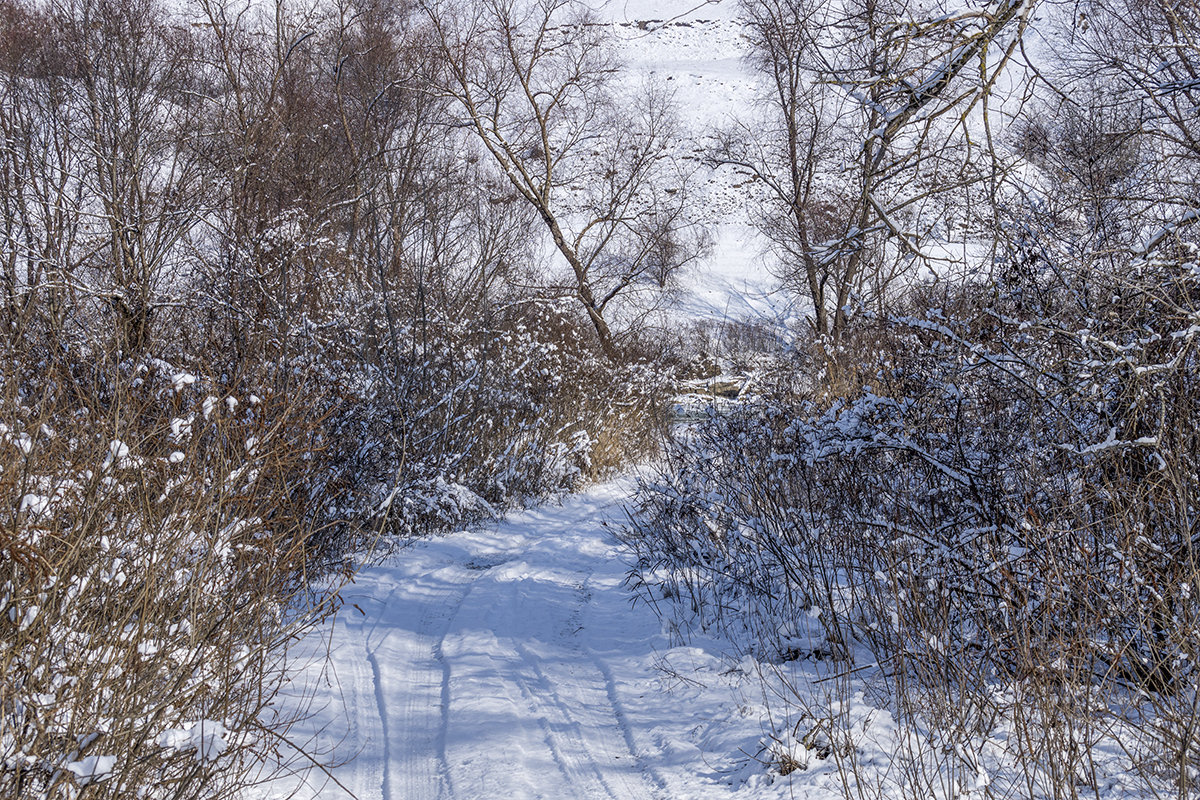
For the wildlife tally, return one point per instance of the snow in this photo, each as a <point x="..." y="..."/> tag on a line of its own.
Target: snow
<point x="509" y="662"/>
<point x="92" y="768"/>
<point x="182" y="379"/>
<point x="206" y="738"/>
<point x="182" y="428"/>
<point x="118" y="455"/>
<point x="35" y="504"/>
<point x="27" y="619"/>
<point x="512" y="662"/>
<point x="697" y="50"/>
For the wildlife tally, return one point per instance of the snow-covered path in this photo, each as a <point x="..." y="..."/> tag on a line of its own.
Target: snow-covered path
<point x="508" y="663"/>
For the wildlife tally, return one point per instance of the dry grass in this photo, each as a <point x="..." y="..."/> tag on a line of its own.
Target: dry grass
<point x="156" y="570"/>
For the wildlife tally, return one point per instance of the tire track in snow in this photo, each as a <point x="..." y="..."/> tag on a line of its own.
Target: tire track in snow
<point x="537" y="710"/>
<point x="419" y="749"/>
<point x="493" y="665"/>
<point x="563" y="734"/>
<point x="622" y="720"/>
<point x="385" y="787"/>
<point x="377" y="687"/>
<point x="364" y="709"/>
<point x="402" y="648"/>
<point x="568" y="699"/>
<point x="444" y="710"/>
<point x="531" y="613"/>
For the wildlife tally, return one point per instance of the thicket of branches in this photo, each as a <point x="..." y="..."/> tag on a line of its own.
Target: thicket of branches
<point x="973" y="496"/>
<point x="265" y="297"/>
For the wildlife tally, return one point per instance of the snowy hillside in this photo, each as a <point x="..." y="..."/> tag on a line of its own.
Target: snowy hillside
<point x="698" y="51"/>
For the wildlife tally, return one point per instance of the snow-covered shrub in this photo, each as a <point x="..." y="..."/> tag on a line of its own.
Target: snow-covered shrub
<point x="155" y="564"/>
<point x="997" y="502"/>
<point x="460" y="421"/>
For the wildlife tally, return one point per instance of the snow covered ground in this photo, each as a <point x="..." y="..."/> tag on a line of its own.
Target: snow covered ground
<point x="508" y="663"/>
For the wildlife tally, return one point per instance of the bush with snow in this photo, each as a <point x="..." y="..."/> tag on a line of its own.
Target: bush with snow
<point x="467" y="420"/>
<point x="995" y="505"/>
<point x="151" y="576"/>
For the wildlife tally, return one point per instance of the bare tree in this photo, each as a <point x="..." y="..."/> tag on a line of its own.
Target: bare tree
<point x="799" y="212"/>
<point x="859" y="141"/>
<point x="40" y="195"/>
<point x="134" y="119"/>
<point x="98" y="186"/>
<point x="536" y="83"/>
<point x="1131" y="136"/>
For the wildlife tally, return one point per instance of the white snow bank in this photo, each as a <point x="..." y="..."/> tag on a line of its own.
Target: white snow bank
<point x="92" y="768"/>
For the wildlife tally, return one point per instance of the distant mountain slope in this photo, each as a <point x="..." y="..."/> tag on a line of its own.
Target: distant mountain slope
<point x="697" y="51"/>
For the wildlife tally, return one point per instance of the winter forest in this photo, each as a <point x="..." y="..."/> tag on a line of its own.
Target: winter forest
<point x="505" y="399"/>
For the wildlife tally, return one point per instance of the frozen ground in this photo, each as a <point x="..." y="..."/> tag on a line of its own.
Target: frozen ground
<point x="508" y="663"/>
